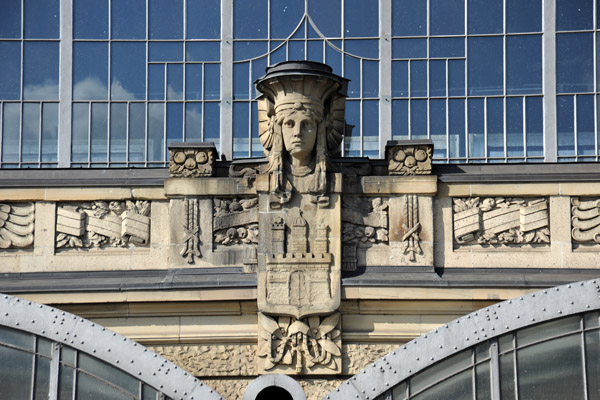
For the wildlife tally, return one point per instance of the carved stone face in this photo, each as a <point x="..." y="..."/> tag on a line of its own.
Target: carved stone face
<point x="299" y="132"/>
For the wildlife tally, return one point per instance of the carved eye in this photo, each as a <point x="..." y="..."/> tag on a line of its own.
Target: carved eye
<point x="289" y="123"/>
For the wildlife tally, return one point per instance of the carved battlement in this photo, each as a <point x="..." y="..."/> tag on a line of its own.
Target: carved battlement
<point x="304" y="258"/>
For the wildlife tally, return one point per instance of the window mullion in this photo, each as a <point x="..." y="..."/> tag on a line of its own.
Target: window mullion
<point x="66" y="79"/>
<point x="549" y="81"/>
<point x="385" y="74"/>
<point x="227" y="78"/>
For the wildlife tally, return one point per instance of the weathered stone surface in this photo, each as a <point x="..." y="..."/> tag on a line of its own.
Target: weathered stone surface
<point x="192" y="159"/>
<point x="17" y="221"/>
<point x="299" y="346"/>
<point x="409" y="157"/>
<point x="501" y="221"/>
<point x="99" y="223"/>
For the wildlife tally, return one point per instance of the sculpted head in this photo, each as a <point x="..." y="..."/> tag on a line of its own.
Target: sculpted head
<point x="299" y="122"/>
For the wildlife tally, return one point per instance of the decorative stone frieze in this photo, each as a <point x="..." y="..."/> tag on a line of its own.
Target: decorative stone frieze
<point x="309" y="345"/>
<point x="100" y="223"/>
<point x="501" y="221"/>
<point x="411" y="241"/>
<point x="192" y="159"/>
<point x="16" y="225"/>
<point x="364" y="222"/>
<point x="409" y="157"/>
<point x="235" y="222"/>
<point x="585" y="220"/>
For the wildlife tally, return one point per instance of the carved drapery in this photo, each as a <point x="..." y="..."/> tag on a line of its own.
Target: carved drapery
<point x="16" y="225"/>
<point x="585" y="220"/>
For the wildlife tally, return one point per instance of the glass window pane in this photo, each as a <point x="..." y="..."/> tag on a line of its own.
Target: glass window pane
<point x="128" y="71"/>
<point x="361" y="18"/>
<point x="50" y="132"/>
<point x="482" y="373"/>
<point x="574" y="62"/>
<point x="90" y="19"/>
<point x="363" y="48"/>
<point x="165" y="19"/>
<point x="128" y="19"/>
<point x="457" y="128"/>
<point x="203" y="19"/>
<point x="370" y="79"/>
<point x="42" y="378"/>
<point x="118" y="131"/>
<point x="174" y="122"/>
<point x="212" y="81"/>
<point x="90" y="71"/>
<point x="437" y="78"/>
<point x="447" y="47"/>
<point x="371" y="128"/>
<point x="248" y="50"/>
<point x="241" y="88"/>
<point x="90" y="388"/>
<point x="193" y="82"/>
<point x="193" y="122"/>
<point x="409" y="17"/>
<point x="418" y="119"/>
<point x="333" y="58"/>
<point x="42" y="19"/>
<point x="148" y="393"/>
<point x="107" y="372"/>
<point x="590" y="320"/>
<point x="437" y="126"/>
<point x="137" y="132"/>
<point x="352" y="140"/>
<point x="156" y="82"/>
<point x="566" y="125"/>
<point x="476" y="128"/>
<point x="10" y="70"/>
<point x="523" y="16"/>
<point x="250" y="19"/>
<point x="548" y="330"/>
<point x="484" y="16"/>
<point x="456" y="77"/>
<point x="65" y="383"/>
<point x="99" y="132"/>
<point x="203" y="51"/>
<point x="592" y="363"/>
<point x="485" y="65"/>
<point x="418" y="78"/>
<point x="15" y="373"/>
<point x="165" y="51"/>
<point x="10" y="19"/>
<point x="409" y="48"/>
<point x="524" y="64"/>
<point x="212" y="123"/>
<point x="315" y="50"/>
<point x="296" y="50"/>
<point x="507" y="377"/>
<point x="447" y="17"/>
<point x="156" y="132"/>
<point x="44" y="347"/>
<point x="352" y="72"/>
<point x="40" y="75"/>
<point x="574" y="14"/>
<point x="514" y="126"/>
<point x="400" y="78"/>
<point x="175" y="82"/>
<point x="535" y="126"/>
<point x="14" y="337"/>
<point x="79" y="144"/>
<point x="285" y="16"/>
<point x="441" y="370"/>
<point x="240" y="129"/>
<point x="399" y="392"/>
<point x="458" y="387"/>
<point x="31" y="132"/>
<point x="327" y="16"/>
<point x="495" y="128"/>
<point x="257" y="149"/>
<point x="586" y="137"/>
<point x="551" y="370"/>
<point x="400" y="119"/>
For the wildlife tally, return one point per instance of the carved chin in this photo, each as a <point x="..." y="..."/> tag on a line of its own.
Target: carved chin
<point x="299" y="152"/>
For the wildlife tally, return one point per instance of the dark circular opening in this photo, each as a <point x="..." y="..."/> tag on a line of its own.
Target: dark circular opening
<point x="274" y="393"/>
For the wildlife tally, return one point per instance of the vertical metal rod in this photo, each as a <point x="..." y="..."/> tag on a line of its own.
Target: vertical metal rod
<point x="385" y="75"/>
<point x="409" y="101"/>
<point x="575" y="127"/>
<point x="485" y="128"/>
<point x="146" y="103"/>
<point x="89" y="133"/>
<point x="596" y="66"/>
<point x="40" y="131"/>
<point x="33" y="368"/>
<point x="447" y="110"/>
<point x="504" y="86"/>
<point x="515" y="370"/>
<point x="362" y="131"/>
<point x="127" y="133"/>
<point x="203" y="97"/>
<point x="109" y="105"/>
<point x="495" y="370"/>
<point x="166" y="92"/>
<point x="227" y="78"/>
<point x="549" y="80"/>
<point x="473" y="374"/>
<point x="466" y="110"/>
<point x="583" y="359"/>
<point x="250" y="70"/>
<point x="524" y="111"/>
<point x="184" y="72"/>
<point x="1" y="131"/>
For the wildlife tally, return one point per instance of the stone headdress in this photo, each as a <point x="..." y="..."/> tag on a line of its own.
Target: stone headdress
<point x="307" y="87"/>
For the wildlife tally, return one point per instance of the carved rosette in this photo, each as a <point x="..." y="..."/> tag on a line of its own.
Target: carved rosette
<point x="191" y="159"/>
<point x="16" y="225"/>
<point x="501" y="221"/>
<point x="98" y="224"/>
<point x="409" y="157"/>
<point x="364" y="223"/>
<point x="585" y="220"/>
<point x="310" y="345"/>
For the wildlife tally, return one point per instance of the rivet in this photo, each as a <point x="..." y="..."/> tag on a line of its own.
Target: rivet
<point x="533" y="319"/>
<point x="510" y="302"/>
<point x="569" y="286"/>
<point x="533" y="295"/>
<point x="33" y="321"/>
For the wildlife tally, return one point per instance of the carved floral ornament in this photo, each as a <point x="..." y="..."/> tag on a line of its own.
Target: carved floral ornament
<point x="192" y="159"/>
<point x="409" y="158"/>
<point x="304" y="344"/>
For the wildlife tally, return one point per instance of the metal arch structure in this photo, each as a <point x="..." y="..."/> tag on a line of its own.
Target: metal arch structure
<point x="465" y="332"/>
<point x="100" y="342"/>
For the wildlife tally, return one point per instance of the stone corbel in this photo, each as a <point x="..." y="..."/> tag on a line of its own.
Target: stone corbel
<point x="409" y="157"/>
<point x="190" y="160"/>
